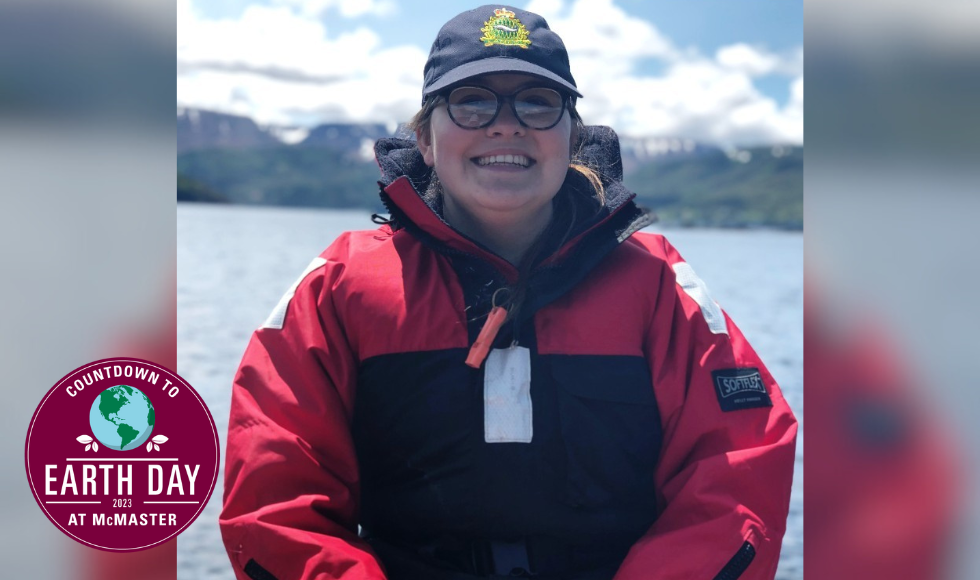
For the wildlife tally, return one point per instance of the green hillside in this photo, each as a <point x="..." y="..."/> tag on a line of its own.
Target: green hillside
<point x="714" y="190"/>
<point x="707" y="189"/>
<point x="287" y="176"/>
<point x="192" y="190"/>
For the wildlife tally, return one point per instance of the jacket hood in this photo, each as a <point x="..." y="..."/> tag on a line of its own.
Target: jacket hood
<point x="405" y="178"/>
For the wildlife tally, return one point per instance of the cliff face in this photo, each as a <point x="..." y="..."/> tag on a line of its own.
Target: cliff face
<point x="201" y="130"/>
<point x="198" y="130"/>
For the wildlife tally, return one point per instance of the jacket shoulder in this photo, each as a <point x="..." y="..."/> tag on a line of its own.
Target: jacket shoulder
<point x="354" y="251"/>
<point x="655" y="246"/>
<point x="339" y="259"/>
<point x="351" y="246"/>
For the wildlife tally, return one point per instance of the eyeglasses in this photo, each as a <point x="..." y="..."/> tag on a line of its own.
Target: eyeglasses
<point x="477" y="107"/>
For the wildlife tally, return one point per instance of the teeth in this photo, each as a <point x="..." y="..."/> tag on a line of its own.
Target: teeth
<point x="511" y="159"/>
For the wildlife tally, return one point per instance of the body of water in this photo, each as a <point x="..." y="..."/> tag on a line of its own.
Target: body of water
<point x="235" y="262"/>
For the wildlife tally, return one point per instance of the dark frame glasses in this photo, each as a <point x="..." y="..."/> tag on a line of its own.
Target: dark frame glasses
<point x="475" y="107"/>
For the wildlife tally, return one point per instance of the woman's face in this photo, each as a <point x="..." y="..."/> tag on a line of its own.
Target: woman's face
<point x="474" y="174"/>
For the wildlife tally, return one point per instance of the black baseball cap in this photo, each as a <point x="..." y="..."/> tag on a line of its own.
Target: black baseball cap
<point x="496" y="39"/>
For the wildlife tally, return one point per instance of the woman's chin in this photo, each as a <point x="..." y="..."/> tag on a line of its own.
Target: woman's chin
<point x="517" y="204"/>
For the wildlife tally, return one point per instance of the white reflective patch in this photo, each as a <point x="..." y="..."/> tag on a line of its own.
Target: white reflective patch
<point x="637" y="225"/>
<point x="507" y="396"/>
<point x="696" y="289"/>
<point x="278" y="315"/>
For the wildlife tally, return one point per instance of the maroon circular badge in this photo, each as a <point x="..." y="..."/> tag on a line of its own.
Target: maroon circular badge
<point x="122" y="454"/>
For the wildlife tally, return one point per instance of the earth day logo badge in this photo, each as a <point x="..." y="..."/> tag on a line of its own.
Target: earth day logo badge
<point x="122" y="454"/>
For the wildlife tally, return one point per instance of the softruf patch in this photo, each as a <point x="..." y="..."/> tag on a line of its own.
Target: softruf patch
<point x="740" y="389"/>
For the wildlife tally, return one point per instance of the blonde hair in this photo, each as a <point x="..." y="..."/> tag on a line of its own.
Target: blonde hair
<point x="593" y="177"/>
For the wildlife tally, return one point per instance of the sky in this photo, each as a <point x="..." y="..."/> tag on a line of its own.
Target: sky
<point x="714" y="71"/>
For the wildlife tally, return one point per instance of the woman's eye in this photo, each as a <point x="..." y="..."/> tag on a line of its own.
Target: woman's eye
<point x="472" y="97"/>
<point x="540" y="98"/>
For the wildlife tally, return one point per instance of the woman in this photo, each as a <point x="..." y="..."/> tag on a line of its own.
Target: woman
<point x="504" y="379"/>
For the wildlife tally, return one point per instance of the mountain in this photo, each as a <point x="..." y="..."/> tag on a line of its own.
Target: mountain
<point x="344" y="136"/>
<point x="288" y="175"/>
<point x="198" y="129"/>
<point x="761" y="186"/>
<point x="638" y="151"/>
<point x="683" y="182"/>
<point x="192" y="190"/>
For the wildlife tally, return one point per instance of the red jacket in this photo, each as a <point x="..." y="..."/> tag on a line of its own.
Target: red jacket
<point x="650" y="434"/>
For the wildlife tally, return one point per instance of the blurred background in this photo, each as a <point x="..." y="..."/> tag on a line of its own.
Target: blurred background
<point x="708" y="97"/>
<point x="891" y="210"/>
<point x="87" y="233"/>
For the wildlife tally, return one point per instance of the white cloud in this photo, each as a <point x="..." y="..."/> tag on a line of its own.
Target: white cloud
<point x="796" y="93"/>
<point x="712" y="100"/>
<point x="744" y="58"/>
<point x="346" y="8"/>
<point x="757" y="62"/>
<point x="594" y="29"/>
<point x="280" y="64"/>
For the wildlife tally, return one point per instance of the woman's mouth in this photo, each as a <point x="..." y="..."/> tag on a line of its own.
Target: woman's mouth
<point x="511" y="160"/>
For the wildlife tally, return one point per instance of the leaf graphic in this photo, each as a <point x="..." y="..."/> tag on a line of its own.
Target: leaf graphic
<point x="83" y="439"/>
<point x="157" y="447"/>
<point x="95" y="446"/>
<point x="87" y="447"/>
<point x="160" y="439"/>
<point x="149" y="447"/>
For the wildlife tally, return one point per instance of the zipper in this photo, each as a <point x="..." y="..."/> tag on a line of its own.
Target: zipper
<point x="739" y="562"/>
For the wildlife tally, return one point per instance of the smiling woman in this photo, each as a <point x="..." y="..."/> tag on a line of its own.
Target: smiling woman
<point x="498" y="181"/>
<point x="506" y="379"/>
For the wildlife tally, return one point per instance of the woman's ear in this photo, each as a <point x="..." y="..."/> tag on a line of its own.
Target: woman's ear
<point x="423" y="138"/>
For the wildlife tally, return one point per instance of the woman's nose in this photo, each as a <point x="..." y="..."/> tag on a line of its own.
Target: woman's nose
<point x="506" y="123"/>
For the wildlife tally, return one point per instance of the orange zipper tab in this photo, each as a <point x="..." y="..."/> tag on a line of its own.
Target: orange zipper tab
<point x="481" y="347"/>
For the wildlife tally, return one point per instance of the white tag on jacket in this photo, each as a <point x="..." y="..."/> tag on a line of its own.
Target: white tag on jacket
<point x="507" y="396"/>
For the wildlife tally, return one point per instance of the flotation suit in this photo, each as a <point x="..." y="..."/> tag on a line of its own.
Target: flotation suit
<point x="619" y="425"/>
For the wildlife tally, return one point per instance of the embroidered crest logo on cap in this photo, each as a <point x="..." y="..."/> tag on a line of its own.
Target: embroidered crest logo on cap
<point x="504" y="28"/>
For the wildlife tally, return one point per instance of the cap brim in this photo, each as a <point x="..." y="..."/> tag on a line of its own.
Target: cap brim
<point x="498" y="64"/>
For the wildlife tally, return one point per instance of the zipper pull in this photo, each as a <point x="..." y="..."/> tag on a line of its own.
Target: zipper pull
<point x="481" y="347"/>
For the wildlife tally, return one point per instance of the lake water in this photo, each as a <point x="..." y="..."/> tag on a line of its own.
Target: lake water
<point x="234" y="263"/>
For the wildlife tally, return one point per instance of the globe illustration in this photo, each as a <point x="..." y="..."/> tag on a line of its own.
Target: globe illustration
<point x="122" y="418"/>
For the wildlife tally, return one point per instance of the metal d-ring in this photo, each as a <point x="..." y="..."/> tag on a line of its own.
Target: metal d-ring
<point x="493" y="299"/>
